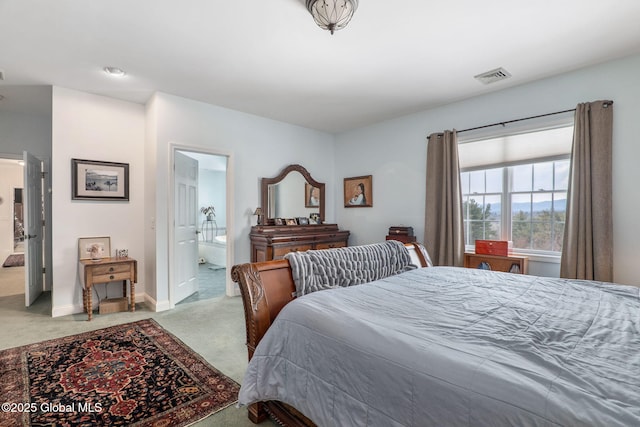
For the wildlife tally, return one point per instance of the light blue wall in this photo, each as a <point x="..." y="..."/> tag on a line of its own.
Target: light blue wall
<point x="258" y="147"/>
<point x="394" y="152"/>
<point x="212" y="191"/>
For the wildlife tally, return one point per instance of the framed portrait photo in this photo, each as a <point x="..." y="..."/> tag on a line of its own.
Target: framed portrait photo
<point x="311" y="196"/>
<point x="292" y="221"/>
<point x="96" y="180"/>
<point x="94" y="247"/>
<point x="358" y="192"/>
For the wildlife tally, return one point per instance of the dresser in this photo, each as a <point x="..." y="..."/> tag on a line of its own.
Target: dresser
<point x="269" y="242"/>
<point x="109" y="270"/>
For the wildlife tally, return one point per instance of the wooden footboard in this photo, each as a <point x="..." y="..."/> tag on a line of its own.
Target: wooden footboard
<point x="266" y="287"/>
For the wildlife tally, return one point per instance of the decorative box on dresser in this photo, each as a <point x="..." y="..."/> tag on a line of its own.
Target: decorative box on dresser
<point x="269" y="242"/>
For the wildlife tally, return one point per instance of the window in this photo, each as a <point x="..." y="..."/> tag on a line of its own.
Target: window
<point x="517" y="197"/>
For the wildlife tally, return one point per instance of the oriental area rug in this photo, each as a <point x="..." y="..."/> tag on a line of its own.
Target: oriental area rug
<point x="135" y="374"/>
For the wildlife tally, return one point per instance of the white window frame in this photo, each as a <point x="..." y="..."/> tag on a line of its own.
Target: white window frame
<point x="505" y="217"/>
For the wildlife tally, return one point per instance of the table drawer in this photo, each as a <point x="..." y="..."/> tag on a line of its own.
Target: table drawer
<point x="281" y="251"/>
<point x="112" y="277"/>
<point x="331" y="245"/>
<point x="110" y="269"/>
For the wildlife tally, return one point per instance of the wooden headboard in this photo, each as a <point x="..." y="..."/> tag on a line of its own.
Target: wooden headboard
<point x="266" y="287"/>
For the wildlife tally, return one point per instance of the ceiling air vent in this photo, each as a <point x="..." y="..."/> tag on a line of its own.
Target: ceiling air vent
<point x="493" y="76"/>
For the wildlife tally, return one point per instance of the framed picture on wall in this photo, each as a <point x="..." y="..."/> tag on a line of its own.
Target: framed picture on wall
<point x="96" y="180"/>
<point x="358" y="192"/>
<point x="311" y="196"/>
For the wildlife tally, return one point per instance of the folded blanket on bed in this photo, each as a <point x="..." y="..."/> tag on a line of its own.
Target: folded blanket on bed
<point x="331" y="268"/>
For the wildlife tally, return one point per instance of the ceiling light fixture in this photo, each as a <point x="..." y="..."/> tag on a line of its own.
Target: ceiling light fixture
<point x="114" y="71"/>
<point x="332" y="15"/>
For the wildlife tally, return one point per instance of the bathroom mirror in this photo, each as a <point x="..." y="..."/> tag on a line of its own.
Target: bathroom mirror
<point x="292" y="194"/>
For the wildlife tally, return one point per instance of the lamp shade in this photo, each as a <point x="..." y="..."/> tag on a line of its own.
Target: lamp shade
<point x="258" y="211"/>
<point x="332" y="15"/>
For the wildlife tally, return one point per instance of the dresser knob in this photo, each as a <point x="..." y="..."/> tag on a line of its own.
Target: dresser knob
<point x="111" y="269"/>
<point x="111" y="277"/>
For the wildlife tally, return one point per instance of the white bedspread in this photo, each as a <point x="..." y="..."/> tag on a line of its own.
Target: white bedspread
<point x="446" y="346"/>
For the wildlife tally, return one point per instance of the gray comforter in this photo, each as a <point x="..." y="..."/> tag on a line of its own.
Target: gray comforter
<point x="447" y="346"/>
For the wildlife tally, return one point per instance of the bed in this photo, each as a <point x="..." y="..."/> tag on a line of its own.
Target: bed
<point x="441" y="346"/>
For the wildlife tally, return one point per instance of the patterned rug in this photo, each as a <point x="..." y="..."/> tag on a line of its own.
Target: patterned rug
<point x="132" y="374"/>
<point x="15" y="260"/>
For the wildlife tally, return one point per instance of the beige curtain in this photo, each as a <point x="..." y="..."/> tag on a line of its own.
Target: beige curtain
<point x="587" y="249"/>
<point x="443" y="236"/>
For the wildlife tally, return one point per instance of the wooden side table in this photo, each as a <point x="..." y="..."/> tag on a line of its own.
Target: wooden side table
<point x="510" y="263"/>
<point x="109" y="270"/>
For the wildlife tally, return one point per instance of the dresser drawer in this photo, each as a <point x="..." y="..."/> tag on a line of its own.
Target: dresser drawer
<point x="331" y="245"/>
<point x="281" y="251"/>
<point x="104" y="278"/>
<point x="110" y="269"/>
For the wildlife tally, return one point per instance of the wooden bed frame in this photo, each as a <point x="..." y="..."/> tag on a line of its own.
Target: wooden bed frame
<point x="266" y="287"/>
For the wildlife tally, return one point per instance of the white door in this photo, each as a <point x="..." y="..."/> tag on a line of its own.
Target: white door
<point x="185" y="260"/>
<point x="32" y="228"/>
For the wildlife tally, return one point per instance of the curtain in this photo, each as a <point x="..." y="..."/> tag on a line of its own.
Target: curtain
<point x="587" y="249"/>
<point x="443" y="237"/>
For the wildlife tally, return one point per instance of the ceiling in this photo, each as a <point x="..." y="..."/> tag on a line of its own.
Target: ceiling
<point x="270" y="59"/>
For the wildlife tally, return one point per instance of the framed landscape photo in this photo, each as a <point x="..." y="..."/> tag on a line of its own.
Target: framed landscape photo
<point x="94" y="247"/>
<point x="95" y="180"/>
<point x="358" y="192"/>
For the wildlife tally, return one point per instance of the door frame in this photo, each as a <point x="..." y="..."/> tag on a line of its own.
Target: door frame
<point x="46" y="190"/>
<point x="173" y="147"/>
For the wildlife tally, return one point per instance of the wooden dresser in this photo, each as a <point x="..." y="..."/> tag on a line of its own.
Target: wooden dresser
<point x="269" y="242"/>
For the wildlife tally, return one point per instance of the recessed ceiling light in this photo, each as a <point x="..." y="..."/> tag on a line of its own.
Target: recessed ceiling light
<point x="114" y="71"/>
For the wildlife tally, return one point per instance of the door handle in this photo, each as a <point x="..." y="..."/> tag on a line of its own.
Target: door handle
<point x="30" y="236"/>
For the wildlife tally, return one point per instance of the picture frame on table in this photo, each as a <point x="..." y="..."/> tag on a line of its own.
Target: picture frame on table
<point x="303" y="220"/>
<point x="98" y="180"/>
<point x="358" y="192"/>
<point x="314" y="218"/>
<point x="94" y="248"/>
<point x="292" y="221"/>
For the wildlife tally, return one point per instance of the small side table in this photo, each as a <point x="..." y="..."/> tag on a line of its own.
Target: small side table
<point x="109" y="270"/>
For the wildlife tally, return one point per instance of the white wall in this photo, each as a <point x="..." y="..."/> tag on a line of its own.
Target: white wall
<point x="212" y="191"/>
<point x="94" y="128"/>
<point x="257" y="147"/>
<point x="394" y="152"/>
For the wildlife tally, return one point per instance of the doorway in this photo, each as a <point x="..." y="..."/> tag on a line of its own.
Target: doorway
<point x="11" y="230"/>
<point x="205" y="225"/>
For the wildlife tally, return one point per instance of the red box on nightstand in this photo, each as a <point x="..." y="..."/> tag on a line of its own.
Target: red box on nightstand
<point x="492" y="247"/>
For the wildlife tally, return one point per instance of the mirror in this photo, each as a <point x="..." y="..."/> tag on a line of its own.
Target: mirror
<point x="292" y="194"/>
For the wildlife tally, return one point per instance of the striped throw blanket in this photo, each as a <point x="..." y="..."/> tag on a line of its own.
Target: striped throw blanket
<point x="331" y="268"/>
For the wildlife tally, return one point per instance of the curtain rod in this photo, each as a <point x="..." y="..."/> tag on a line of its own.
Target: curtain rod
<point x="606" y="104"/>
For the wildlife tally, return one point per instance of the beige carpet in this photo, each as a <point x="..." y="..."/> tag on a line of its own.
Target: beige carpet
<point x="11" y="281"/>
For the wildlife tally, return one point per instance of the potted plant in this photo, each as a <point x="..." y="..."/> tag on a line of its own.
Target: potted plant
<point x="209" y="211"/>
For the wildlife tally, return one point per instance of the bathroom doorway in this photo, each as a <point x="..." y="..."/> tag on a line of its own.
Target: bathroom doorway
<point x="211" y="226"/>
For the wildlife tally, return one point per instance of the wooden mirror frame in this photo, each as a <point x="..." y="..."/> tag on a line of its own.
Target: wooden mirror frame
<point x="291" y="168"/>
